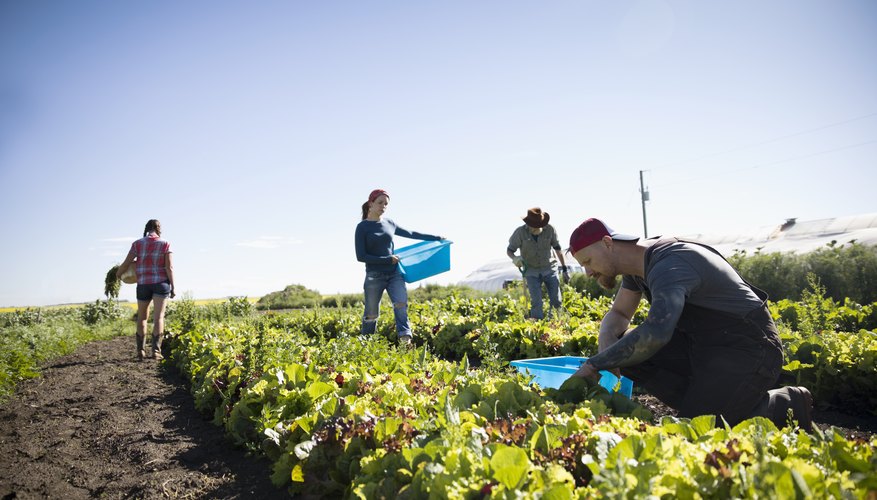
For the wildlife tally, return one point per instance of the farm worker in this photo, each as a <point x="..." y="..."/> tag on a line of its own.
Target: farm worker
<point x="151" y="257"/>
<point x="536" y="238"/>
<point x="708" y="344"/>
<point x="374" y="247"/>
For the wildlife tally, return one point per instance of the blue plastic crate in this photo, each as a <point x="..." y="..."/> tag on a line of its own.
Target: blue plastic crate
<point x="552" y="372"/>
<point x="424" y="259"/>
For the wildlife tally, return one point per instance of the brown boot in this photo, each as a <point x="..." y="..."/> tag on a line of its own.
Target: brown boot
<point x="141" y="339"/>
<point x="156" y="347"/>
<point x="797" y="399"/>
<point x="802" y="407"/>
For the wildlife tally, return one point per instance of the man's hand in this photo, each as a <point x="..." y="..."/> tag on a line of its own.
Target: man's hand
<point x="587" y="371"/>
<point x="518" y="261"/>
<point x="565" y="273"/>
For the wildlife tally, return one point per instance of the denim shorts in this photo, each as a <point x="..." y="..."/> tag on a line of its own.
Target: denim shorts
<point x="147" y="292"/>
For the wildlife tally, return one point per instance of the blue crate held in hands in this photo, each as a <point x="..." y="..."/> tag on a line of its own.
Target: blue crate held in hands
<point x="552" y="372"/>
<point x="422" y="260"/>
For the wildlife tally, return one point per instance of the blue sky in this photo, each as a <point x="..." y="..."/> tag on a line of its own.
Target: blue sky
<point x="254" y="131"/>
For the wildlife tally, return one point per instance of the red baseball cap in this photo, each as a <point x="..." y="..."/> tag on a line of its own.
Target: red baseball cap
<point x="376" y="193"/>
<point x="591" y="231"/>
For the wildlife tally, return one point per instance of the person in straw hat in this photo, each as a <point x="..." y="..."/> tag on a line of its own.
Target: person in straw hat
<point x="536" y="238"/>
<point x="374" y="247"/>
<point x="708" y="346"/>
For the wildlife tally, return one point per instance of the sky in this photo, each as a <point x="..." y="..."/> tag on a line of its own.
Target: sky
<point x="254" y="131"/>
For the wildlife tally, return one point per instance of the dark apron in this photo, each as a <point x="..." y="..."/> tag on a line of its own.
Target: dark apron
<point x="715" y="363"/>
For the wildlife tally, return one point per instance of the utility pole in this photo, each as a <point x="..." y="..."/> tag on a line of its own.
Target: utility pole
<point x="645" y="197"/>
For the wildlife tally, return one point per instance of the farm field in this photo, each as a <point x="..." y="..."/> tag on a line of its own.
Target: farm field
<point x="132" y="305"/>
<point x="325" y="413"/>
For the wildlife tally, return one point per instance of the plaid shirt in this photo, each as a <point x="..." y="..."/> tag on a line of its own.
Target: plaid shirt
<point x="150" y="252"/>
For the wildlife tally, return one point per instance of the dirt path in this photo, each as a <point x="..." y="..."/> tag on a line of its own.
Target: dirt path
<point x="98" y="423"/>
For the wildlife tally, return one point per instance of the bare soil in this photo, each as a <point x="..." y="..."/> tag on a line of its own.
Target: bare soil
<point x="99" y="423"/>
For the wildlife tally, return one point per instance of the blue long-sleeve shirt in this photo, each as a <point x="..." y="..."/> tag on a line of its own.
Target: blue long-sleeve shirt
<point x="374" y="243"/>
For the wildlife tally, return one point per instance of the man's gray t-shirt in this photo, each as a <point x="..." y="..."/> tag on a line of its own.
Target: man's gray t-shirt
<point x="707" y="279"/>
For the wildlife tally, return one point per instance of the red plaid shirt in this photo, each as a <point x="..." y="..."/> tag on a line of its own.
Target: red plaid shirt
<point x="150" y="252"/>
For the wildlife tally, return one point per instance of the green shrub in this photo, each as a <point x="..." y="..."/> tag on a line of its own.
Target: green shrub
<point x="291" y="297"/>
<point x="100" y="311"/>
<point x="846" y="271"/>
<point x="181" y="315"/>
<point x="589" y="286"/>
<point x="342" y="300"/>
<point x="184" y="314"/>
<point x="234" y="307"/>
<point x="429" y="292"/>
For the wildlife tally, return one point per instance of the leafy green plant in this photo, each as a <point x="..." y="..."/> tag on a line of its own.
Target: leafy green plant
<point x="341" y="415"/>
<point x="181" y="315"/>
<point x="102" y="310"/>
<point x="430" y="292"/>
<point x="26" y="345"/>
<point x="22" y="317"/>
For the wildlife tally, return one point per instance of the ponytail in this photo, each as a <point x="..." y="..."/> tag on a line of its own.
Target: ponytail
<point x="365" y="210"/>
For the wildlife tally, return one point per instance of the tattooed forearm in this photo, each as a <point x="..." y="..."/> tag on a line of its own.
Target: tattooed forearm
<point x="645" y="340"/>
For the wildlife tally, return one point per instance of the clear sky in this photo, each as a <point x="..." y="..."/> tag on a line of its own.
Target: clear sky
<point x="255" y="130"/>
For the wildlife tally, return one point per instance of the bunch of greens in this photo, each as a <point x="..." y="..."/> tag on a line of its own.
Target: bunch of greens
<point x="112" y="283"/>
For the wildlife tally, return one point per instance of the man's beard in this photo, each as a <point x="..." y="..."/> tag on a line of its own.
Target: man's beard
<point x="607" y="282"/>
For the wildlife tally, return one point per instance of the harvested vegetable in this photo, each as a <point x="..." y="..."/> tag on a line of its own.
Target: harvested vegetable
<point x="112" y="283"/>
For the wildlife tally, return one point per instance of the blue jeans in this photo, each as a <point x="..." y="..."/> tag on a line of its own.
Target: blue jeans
<point x="535" y="278"/>
<point x="375" y="284"/>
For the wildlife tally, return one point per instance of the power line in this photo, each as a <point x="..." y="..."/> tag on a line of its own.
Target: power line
<point x="778" y="162"/>
<point x="768" y="141"/>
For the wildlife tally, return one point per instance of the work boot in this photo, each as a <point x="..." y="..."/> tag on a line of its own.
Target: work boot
<point x="141" y="353"/>
<point x="156" y="347"/>
<point x="797" y="399"/>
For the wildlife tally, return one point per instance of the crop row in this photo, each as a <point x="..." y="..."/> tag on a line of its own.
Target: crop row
<point x="342" y="415"/>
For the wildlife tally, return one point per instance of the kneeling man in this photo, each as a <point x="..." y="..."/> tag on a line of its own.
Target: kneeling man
<point x="708" y="346"/>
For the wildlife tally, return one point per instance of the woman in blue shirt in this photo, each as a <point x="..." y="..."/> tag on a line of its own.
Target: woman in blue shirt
<point x="374" y="247"/>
